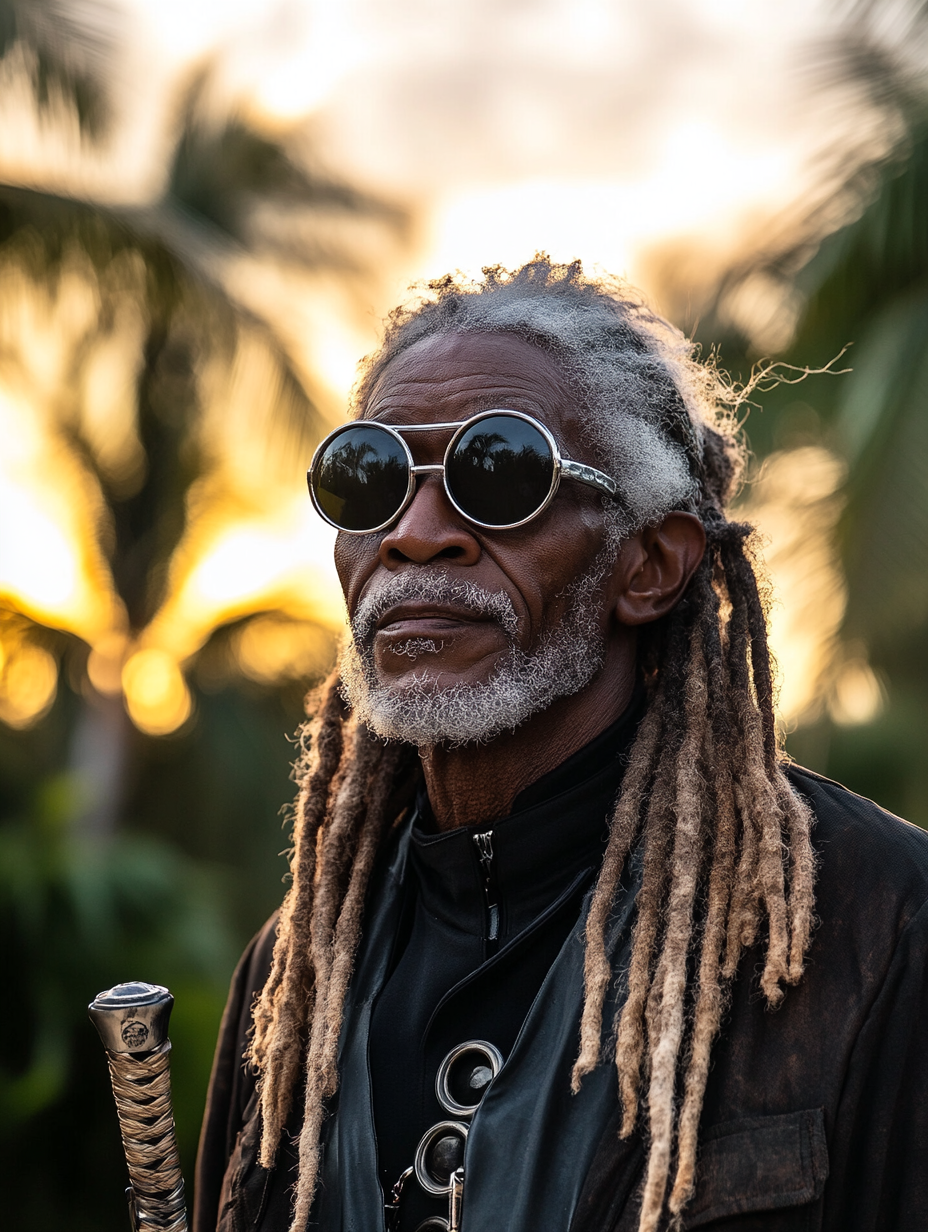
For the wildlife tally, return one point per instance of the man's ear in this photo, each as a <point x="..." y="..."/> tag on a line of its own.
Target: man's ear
<point x="654" y="568"/>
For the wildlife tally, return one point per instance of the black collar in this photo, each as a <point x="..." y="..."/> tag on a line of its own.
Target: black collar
<point x="557" y="829"/>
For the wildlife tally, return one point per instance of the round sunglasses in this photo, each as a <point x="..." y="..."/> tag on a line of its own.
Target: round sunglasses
<point x="501" y="469"/>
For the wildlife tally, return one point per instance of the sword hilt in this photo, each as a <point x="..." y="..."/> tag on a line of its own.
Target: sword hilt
<point x="133" y="1023"/>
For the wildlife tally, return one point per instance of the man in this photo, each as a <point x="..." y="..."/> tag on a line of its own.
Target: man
<point x="551" y="874"/>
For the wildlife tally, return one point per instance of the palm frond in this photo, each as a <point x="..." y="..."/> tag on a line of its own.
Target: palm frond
<point x="189" y="323"/>
<point x="883" y="426"/>
<point x="224" y="173"/>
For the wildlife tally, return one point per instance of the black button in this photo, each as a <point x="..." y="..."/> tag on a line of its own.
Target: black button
<point x="467" y="1082"/>
<point x="444" y="1155"/>
<point x="439" y="1153"/>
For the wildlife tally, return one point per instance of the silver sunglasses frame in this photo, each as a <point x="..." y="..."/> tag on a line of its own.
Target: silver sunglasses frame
<point x="563" y="468"/>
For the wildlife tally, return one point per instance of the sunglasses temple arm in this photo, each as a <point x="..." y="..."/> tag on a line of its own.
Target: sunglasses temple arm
<point x="588" y="475"/>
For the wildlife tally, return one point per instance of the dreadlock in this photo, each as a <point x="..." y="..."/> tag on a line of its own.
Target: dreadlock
<point x="724" y="842"/>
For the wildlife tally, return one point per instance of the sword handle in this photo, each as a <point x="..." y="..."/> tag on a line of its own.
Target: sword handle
<point x="132" y="1020"/>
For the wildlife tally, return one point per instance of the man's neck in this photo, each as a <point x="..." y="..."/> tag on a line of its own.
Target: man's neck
<point x="479" y="783"/>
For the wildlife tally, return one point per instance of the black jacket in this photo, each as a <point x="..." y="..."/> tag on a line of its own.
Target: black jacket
<point x="815" y="1116"/>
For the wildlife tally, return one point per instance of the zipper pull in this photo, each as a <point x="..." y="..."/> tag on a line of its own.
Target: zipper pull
<point x="391" y="1209"/>
<point x="456" y="1200"/>
<point x="484" y="844"/>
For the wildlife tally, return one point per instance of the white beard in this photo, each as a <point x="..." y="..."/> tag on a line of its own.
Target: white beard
<point x="419" y="711"/>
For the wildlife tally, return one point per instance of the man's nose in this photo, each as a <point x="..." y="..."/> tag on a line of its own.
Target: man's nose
<point x="430" y="528"/>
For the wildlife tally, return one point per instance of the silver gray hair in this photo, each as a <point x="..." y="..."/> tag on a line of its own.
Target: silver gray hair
<point x="655" y="418"/>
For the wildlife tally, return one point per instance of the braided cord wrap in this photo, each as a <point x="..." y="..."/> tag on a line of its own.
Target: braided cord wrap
<point x="142" y="1090"/>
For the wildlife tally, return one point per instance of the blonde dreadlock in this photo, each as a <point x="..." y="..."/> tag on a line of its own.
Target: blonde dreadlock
<point x="715" y="823"/>
<point x="725" y="843"/>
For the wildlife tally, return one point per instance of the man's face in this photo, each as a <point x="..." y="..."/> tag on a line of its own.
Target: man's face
<point x="447" y="612"/>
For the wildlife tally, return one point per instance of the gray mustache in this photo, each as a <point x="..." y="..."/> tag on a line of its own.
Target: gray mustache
<point x="431" y="586"/>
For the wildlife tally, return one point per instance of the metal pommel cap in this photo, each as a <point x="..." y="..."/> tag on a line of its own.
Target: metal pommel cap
<point x="132" y="1017"/>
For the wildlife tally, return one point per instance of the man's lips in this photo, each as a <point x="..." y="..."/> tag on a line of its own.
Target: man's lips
<point x="421" y="619"/>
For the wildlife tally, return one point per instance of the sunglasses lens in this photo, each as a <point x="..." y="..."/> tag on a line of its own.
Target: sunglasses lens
<point x="360" y="479"/>
<point x="500" y="471"/>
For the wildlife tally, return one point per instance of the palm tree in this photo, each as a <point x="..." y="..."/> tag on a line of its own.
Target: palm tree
<point x="159" y="276"/>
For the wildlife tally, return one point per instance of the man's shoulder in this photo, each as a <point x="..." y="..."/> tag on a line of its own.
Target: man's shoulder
<point x="841" y="813"/>
<point x="867" y="855"/>
<point x="254" y="966"/>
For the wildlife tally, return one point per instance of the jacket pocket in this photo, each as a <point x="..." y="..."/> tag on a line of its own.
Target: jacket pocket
<point x="759" y="1164"/>
<point x="245" y="1184"/>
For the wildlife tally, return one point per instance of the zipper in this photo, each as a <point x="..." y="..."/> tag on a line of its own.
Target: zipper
<point x="484" y="845"/>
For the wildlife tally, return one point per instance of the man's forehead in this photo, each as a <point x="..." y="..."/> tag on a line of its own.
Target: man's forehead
<point x="455" y="375"/>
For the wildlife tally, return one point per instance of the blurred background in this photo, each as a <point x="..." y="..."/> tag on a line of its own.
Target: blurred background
<point x="206" y="210"/>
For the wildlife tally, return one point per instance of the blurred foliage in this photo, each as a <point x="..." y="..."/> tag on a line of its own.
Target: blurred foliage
<point x="79" y="913"/>
<point x="171" y="899"/>
<point x="861" y="283"/>
<point x="79" y="916"/>
<point x="221" y="170"/>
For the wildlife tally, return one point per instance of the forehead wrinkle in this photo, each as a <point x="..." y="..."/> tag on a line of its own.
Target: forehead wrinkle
<point x="479" y="390"/>
<point x="457" y="366"/>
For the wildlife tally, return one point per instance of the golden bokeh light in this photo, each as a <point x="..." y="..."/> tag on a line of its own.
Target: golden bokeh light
<point x="251" y="544"/>
<point x="28" y="684"/>
<point x="156" y="693"/>
<point x="857" y="696"/>
<point x="795" y="506"/>
<point x="268" y="650"/>
<point x="105" y="664"/>
<point x="51" y="567"/>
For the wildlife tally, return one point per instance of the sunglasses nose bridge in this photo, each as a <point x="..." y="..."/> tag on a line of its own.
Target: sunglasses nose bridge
<point x="424" y="471"/>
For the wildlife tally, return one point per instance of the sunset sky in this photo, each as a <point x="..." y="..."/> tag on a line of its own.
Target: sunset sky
<point x="593" y="128"/>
